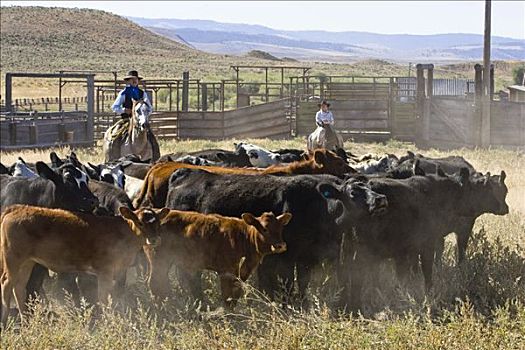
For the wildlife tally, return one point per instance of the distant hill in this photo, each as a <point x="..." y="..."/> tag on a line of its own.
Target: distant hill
<point x="38" y="39"/>
<point x="42" y="39"/>
<point x="49" y="39"/>
<point x="262" y="55"/>
<point x="229" y="38"/>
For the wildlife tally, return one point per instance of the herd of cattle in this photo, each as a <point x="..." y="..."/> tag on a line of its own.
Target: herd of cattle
<point x="227" y="210"/>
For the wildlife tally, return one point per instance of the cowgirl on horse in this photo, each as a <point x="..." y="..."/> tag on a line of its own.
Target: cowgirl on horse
<point x="325" y="135"/>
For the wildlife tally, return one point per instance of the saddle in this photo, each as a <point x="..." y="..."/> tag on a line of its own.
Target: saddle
<point x="119" y="130"/>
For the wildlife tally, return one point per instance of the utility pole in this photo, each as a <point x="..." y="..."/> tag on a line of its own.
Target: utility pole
<point x="485" y="112"/>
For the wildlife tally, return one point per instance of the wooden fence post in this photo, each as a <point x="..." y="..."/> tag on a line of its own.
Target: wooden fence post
<point x="420" y="103"/>
<point x="8" y="92"/>
<point x="478" y="96"/>
<point x="491" y="82"/>
<point x="185" y="90"/>
<point x="430" y="81"/>
<point x="61" y="132"/>
<point x="90" y="108"/>
<point x="204" y="97"/>
<point x="33" y="134"/>
<point x="169" y="97"/>
<point x="12" y="133"/>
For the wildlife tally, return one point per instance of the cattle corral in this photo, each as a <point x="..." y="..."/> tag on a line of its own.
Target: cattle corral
<point x="442" y="113"/>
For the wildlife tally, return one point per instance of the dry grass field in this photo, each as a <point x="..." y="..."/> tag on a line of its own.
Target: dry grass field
<point x="478" y="305"/>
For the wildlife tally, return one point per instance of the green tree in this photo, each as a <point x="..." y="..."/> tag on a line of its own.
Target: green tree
<point x="518" y="74"/>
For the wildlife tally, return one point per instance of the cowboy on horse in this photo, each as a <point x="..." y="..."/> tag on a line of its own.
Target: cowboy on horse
<point x="131" y="134"/>
<point x="325" y="135"/>
<point x="124" y="101"/>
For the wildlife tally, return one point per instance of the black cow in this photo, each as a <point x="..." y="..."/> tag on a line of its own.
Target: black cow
<point x="322" y="206"/>
<point x="460" y="225"/>
<point x="137" y="170"/>
<point x="110" y="197"/>
<point x="236" y="159"/>
<point x="449" y="165"/>
<point x="419" y="213"/>
<point x="61" y="189"/>
<point x="289" y="155"/>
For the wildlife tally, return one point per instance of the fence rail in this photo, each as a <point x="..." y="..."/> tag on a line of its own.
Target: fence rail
<point x="432" y="112"/>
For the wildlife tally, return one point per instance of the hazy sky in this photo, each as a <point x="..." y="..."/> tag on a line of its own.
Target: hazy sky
<point x="422" y="17"/>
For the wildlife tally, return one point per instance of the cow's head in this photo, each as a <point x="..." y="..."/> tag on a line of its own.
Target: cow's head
<point x="113" y="175"/>
<point x="145" y="223"/>
<point x="258" y="156"/>
<point x="327" y="162"/>
<point x="351" y="201"/>
<point x="71" y="191"/>
<point x="486" y="193"/>
<point x="270" y="231"/>
<point x="21" y="169"/>
<point x="358" y="199"/>
<point x="341" y="153"/>
<point x="56" y="162"/>
<point x="239" y="158"/>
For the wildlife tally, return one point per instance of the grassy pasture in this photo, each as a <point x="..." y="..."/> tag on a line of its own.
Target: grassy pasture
<point x="479" y="305"/>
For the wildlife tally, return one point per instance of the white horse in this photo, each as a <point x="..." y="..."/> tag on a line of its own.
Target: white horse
<point x="132" y="136"/>
<point x="324" y="137"/>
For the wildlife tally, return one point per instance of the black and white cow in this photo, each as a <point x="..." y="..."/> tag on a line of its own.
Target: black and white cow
<point x="259" y="157"/>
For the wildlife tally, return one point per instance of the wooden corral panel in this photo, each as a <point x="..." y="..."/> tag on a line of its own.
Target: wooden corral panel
<point x="261" y="121"/>
<point x="44" y="130"/>
<point x="507" y="124"/>
<point x="357" y="91"/>
<point x="200" y="125"/>
<point x="265" y="120"/>
<point x="164" y="124"/>
<point x="403" y="120"/>
<point x="451" y="123"/>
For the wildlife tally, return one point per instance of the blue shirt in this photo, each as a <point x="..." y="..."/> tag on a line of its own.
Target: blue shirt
<point x="129" y="91"/>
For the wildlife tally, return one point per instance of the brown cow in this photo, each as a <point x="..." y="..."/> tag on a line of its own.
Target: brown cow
<point x="64" y="241"/>
<point x="230" y="246"/>
<point x="156" y="182"/>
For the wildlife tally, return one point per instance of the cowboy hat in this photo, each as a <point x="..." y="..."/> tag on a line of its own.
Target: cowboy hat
<point x="324" y="102"/>
<point x="132" y="74"/>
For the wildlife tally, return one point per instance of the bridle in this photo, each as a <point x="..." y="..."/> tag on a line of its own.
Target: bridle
<point x="136" y="114"/>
